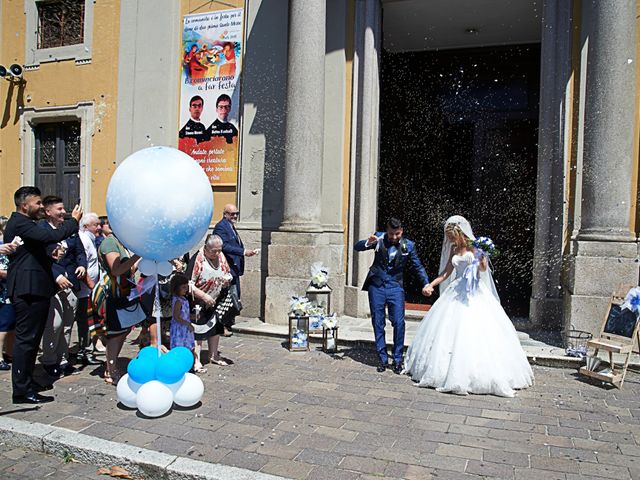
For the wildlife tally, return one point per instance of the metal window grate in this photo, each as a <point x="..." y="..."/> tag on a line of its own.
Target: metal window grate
<point x="60" y="23"/>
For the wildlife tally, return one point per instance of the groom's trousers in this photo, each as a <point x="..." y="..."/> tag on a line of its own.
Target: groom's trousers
<point x="391" y="296"/>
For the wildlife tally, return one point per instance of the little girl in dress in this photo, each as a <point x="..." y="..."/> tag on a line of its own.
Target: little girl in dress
<point x="181" y="330"/>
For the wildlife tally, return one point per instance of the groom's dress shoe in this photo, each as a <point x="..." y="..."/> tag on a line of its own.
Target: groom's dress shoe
<point x="397" y="368"/>
<point x="32" y="398"/>
<point x="381" y="368"/>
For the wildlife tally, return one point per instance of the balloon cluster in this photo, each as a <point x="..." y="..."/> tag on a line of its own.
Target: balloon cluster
<point x="160" y="204"/>
<point x="154" y="383"/>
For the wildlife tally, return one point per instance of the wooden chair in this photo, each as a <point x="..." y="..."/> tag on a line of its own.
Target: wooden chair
<point x="617" y="335"/>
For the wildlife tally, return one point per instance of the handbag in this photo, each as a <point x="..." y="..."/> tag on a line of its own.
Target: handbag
<point x="237" y="304"/>
<point x="225" y="308"/>
<point x="99" y="295"/>
<point x="122" y="313"/>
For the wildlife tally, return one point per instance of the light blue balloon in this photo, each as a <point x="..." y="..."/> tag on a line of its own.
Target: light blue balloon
<point x="159" y="203"/>
<point x="168" y="370"/>
<point x="183" y="356"/>
<point x="142" y="370"/>
<point x="148" y="352"/>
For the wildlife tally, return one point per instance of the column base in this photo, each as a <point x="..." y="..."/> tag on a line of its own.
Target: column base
<point x="300" y="227"/>
<point x="595" y="270"/>
<point x="291" y="255"/>
<point x="356" y="302"/>
<point x="545" y="313"/>
<point x="605" y="235"/>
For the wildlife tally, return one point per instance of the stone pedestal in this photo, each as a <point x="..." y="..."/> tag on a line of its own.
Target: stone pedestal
<point x="595" y="270"/>
<point x="291" y="255"/>
<point x="252" y="282"/>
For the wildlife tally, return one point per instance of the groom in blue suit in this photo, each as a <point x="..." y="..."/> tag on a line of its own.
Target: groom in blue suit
<point x="385" y="285"/>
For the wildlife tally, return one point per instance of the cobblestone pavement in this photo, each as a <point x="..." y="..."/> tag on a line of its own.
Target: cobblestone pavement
<point x="19" y="463"/>
<point x="312" y="415"/>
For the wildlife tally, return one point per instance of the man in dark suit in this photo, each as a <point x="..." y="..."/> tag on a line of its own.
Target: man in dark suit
<point x="221" y="126"/>
<point x="385" y="285"/>
<point x="194" y="128"/>
<point x="30" y="285"/>
<point x="68" y="271"/>
<point x="233" y="248"/>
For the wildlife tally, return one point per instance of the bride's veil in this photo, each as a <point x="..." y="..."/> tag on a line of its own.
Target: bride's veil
<point x="465" y="226"/>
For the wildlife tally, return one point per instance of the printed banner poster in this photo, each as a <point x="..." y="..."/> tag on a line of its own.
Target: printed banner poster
<point x="210" y="92"/>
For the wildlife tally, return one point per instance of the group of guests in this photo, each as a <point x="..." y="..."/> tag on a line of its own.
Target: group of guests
<point x="51" y="266"/>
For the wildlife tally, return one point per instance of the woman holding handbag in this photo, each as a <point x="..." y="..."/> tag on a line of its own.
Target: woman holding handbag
<point x="210" y="279"/>
<point x="121" y="313"/>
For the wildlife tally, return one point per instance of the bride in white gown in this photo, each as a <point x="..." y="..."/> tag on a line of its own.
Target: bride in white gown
<point x="466" y="343"/>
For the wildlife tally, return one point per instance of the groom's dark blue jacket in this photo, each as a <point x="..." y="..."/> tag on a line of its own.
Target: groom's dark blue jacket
<point x="382" y="272"/>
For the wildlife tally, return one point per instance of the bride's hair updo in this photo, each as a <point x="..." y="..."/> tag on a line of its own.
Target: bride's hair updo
<point x="453" y="228"/>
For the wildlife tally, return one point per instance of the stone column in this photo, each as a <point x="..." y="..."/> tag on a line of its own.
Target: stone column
<point x="300" y="241"/>
<point x="305" y="116"/>
<point x="609" y="120"/>
<point x="604" y="251"/>
<point x="553" y="158"/>
<point x="364" y="154"/>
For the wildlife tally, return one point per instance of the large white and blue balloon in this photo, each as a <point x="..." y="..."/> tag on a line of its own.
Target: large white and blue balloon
<point x="159" y="203"/>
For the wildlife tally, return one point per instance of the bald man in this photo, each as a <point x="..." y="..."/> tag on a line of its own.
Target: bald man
<point x="233" y="250"/>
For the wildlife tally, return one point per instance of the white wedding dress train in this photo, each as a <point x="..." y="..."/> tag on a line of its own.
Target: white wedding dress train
<point x="466" y="343"/>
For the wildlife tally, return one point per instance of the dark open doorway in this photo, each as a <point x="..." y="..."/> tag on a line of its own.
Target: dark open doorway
<point x="459" y="136"/>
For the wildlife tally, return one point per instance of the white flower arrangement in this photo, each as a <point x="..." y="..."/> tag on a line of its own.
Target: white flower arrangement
<point x="299" y="306"/>
<point x="299" y="339"/>
<point x="319" y="275"/>
<point x="330" y="322"/>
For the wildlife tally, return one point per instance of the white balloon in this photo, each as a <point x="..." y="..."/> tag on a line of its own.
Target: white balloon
<point x="165" y="268"/>
<point x="190" y="392"/>
<point x="148" y="267"/>
<point x="154" y="399"/>
<point x="175" y="386"/>
<point x="159" y="203"/>
<point x="127" y="391"/>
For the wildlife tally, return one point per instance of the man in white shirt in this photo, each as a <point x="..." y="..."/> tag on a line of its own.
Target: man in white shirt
<point x="69" y="271"/>
<point x="89" y="229"/>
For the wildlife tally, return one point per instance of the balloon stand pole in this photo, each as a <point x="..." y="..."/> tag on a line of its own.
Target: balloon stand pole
<point x="156" y="304"/>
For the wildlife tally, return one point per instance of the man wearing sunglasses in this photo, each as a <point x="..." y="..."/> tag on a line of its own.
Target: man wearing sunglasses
<point x="233" y="250"/>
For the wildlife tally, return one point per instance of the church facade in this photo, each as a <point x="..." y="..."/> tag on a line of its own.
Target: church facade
<point x="351" y="111"/>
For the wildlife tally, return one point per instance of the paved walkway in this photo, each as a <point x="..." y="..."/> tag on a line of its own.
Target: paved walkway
<point x="541" y="347"/>
<point x="19" y="463"/>
<point x="317" y="416"/>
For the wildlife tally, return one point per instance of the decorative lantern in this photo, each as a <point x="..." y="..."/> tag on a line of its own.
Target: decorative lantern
<point x="299" y="333"/>
<point x="321" y="296"/>
<point x="330" y="339"/>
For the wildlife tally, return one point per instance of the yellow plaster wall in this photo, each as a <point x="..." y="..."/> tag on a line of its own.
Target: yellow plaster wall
<point x="62" y="84"/>
<point x="221" y="195"/>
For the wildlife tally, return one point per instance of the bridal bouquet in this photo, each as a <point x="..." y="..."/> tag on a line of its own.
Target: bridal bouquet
<point x="485" y="247"/>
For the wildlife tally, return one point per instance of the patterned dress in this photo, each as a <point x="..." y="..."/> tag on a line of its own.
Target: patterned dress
<point x="181" y="335"/>
<point x="212" y="281"/>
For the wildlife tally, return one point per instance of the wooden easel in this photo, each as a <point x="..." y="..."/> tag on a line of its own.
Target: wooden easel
<point x="612" y="342"/>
